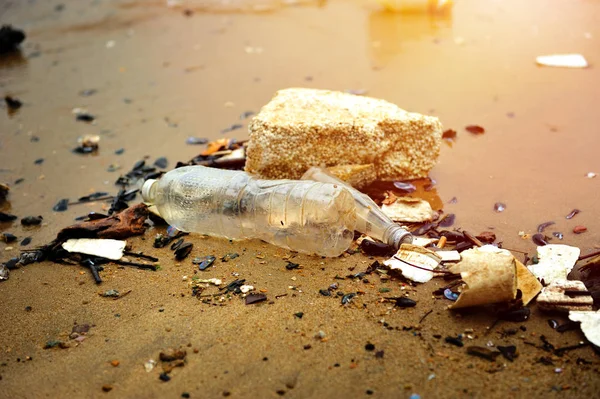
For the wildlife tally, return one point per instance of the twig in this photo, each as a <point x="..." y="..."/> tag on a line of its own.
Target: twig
<point x="560" y="351"/>
<point x="472" y="238"/>
<point x="108" y="197"/>
<point x="423" y="268"/>
<point x="590" y="255"/>
<point x="425" y="315"/>
<point x="141" y="256"/>
<point x="121" y="296"/>
<point x="134" y="264"/>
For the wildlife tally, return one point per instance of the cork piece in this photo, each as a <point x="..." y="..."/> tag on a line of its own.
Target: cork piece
<point x="358" y="176"/>
<point x="300" y="128"/>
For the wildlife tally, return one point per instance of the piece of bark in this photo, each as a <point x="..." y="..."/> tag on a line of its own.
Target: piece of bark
<point x="127" y="223"/>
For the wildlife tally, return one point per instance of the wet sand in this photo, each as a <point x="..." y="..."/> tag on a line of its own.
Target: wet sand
<point x="162" y="76"/>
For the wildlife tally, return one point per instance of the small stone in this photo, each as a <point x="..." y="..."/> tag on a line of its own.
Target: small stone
<point x="369" y="347"/>
<point x="164" y="377"/>
<point x="107" y="388"/>
<point x="115" y="363"/>
<point x="579" y="229"/>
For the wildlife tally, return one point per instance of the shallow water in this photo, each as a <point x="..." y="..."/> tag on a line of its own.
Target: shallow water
<point x="162" y="76"/>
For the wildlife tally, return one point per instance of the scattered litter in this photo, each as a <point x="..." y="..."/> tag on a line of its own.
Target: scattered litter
<point x="539" y="239"/>
<point x="579" y="229"/>
<point x="246" y="288"/>
<point x="183" y="251"/>
<point x="229" y="257"/>
<point x="5" y="217"/>
<point x="161" y="162"/>
<point x="87" y="144"/>
<point x="489" y="274"/>
<point x="562" y="60"/>
<point x="106" y="248"/>
<point x="527" y="283"/>
<point x="499" y="207"/>
<point x="3" y="272"/>
<point x="456" y="341"/>
<point x="590" y="324"/>
<point x="85" y="117"/>
<point x="555" y="261"/>
<point x="565" y="295"/>
<point x="255" y="298"/>
<point x="542" y="227"/>
<point x="483" y="352"/>
<point x="373" y="248"/>
<point x="475" y="129"/>
<point x="10" y="39"/>
<point x="403" y="302"/>
<point x="127" y="223"/>
<point x="408" y="209"/>
<point x="8" y="237"/>
<point x="449" y="256"/>
<point x="61" y="205"/>
<point x="405" y="187"/>
<point x="509" y="352"/>
<point x="414" y="262"/>
<point x="572" y="213"/>
<point x="232" y="128"/>
<point x="31" y="220"/>
<point x="214" y="281"/>
<point x="449" y="134"/>
<point x="26" y="241"/>
<point x="196" y="140"/>
<point x="12" y="103"/>
<point x="204" y="262"/>
<point x="149" y="365"/>
<point x="111" y="294"/>
<point x="591" y="175"/>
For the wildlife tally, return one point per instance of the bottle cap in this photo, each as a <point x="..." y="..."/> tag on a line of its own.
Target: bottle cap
<point x="146" y="188"/>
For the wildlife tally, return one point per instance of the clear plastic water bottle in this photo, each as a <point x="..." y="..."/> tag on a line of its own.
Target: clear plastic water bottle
<point x="304" y="216"/>
<point x="370" y="219"/>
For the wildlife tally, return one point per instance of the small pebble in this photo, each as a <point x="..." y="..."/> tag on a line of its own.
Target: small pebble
<point x="107" y="388"/>
<point x="579" y="229"/>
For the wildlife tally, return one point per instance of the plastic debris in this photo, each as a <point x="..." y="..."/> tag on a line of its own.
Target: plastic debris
<point x="555" y="262"/>
<point x="149" y="365"/>
<point x="246" y="288"/>
<point x="3" y="272"/>
<point x="590" y="324"/>
<point x="410" y="256"/>
<point x="408" y="209"/>
<point x="106" y="248"/>
<point x="562" y="60"/>
<point x="564" y="296"/>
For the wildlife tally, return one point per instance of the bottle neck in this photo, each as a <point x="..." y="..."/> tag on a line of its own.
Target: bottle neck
<point x="395" y="236"/>
<point x="148" y="191"/>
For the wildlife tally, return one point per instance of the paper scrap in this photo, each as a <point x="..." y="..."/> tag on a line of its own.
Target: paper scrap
<point x="590" y="324"/>
<point x="449" y="256"/>
<point x="106" y="248"/>
<point x="527" y="283"/>
<point x="489" y="274"/>
<point x="562" y="60"/>
<point x="555" y="262"/>
<point x="414" y="255"/>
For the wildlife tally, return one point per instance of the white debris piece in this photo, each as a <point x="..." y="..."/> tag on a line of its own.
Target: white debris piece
<point x="149" y="365"/>
<point x="215" y="281"/>
<point x="449" y="256"/>
<point x="418" y="256"/>
<point x="554" y="298"/>
<point x="590" y="324"/>
<point x="555" y="262"/>
<point x="106" y="248"/>
<point x="424" y="241"/>
<point x="246" y="288"/>
<point x="408" y="209"/>
<point x="490" y="276"/>
<point x="562" y="60"/>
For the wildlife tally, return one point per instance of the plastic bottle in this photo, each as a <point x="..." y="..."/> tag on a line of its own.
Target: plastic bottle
<point x="370" y="219"/>
<point x="305" y="216"/>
